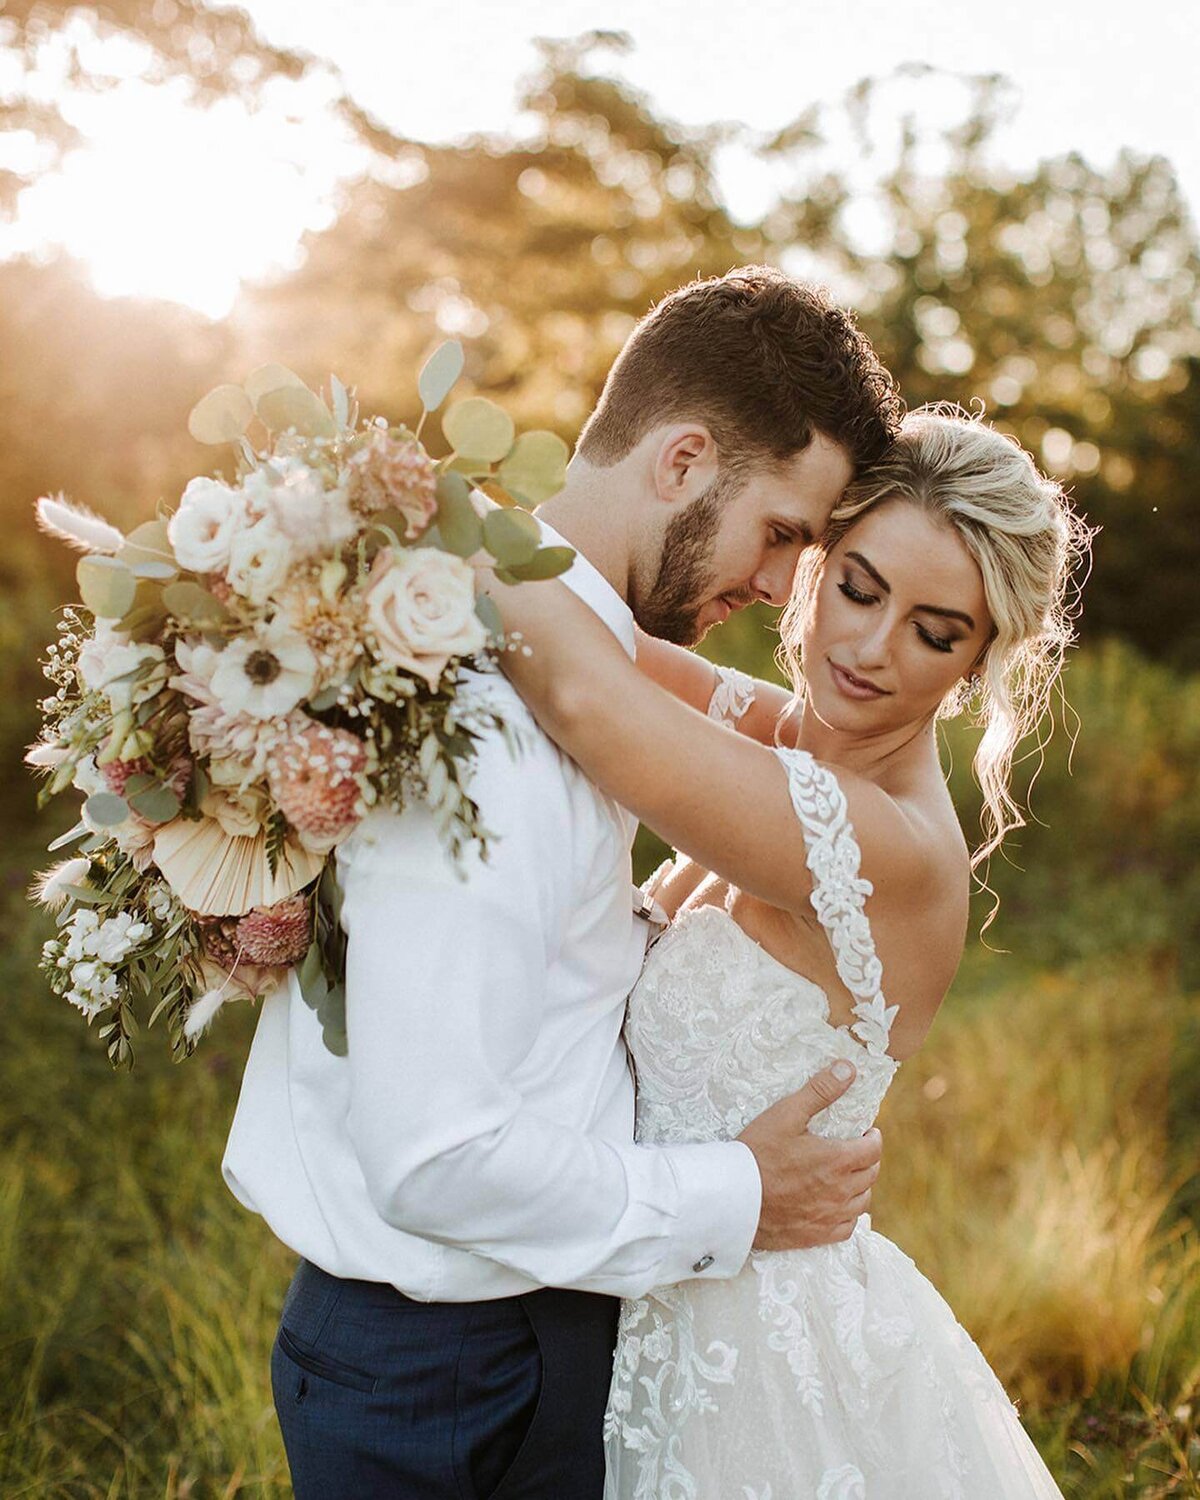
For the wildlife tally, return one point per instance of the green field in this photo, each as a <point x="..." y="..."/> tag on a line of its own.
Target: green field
<point x="1039" y="1167"/>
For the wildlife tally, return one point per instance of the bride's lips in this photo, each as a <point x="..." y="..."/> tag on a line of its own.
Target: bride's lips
<point x="854" y="687"/>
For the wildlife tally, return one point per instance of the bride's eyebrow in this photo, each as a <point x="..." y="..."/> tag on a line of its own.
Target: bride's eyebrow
<point x="874" y="572"/>
<point x="928" y="609"/>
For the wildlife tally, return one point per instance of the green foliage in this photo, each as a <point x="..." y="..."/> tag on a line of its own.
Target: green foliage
<point x="106" y="586"/>
<point x="221" y="416"/>
<point x="439" y="374"/>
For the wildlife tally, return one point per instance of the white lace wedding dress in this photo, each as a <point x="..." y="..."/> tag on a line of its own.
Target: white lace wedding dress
<point x="836" y="1373"/>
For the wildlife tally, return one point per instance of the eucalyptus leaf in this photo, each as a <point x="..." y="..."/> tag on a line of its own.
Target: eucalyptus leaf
<point x="485" y="608"/>
<point x="325" y="699"/>
<point x="188" y="602"/>
<point x="496" y="492"/>
<point x="546" y="562"/>
<point x="157" y="803"/>
<point x="511" y="536"/>
<point x="138" y="783"/>
<point x="312" y="977"/>
<point x="458" y="524"/>
<point x="147" y="615"/>
<point x="151" y="567"/>
<point x="341" y="402"/>
<point x="148" y="543"/>
<point x="270" y="378"/>
<point x="440" y="373"/>
<point x="221" y="416"/>
<point x="332" y="1015"/>
<point x="296" y="407"/>
<point x="536" y="468"/>
<point x="478" y="428"/>
<point x="106" y="586"/>
<point x="106" y="809"/>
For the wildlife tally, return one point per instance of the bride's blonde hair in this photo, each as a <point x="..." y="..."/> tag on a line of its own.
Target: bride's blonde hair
<point x="1031" y="548"/>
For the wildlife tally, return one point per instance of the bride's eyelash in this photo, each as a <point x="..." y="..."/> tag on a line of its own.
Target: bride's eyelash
<point x="938" y="642"/>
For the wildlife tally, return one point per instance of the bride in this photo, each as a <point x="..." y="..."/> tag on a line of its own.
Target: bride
<point x="820" y="913"/>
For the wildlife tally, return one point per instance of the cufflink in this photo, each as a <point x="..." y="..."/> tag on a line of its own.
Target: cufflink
<point x="703" y="1264"/>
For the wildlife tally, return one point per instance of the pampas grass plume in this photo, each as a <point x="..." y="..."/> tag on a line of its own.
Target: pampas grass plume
<point x="47" y="888"/>
<point x="77" y="526"/>
<point x="200" y="1014"/>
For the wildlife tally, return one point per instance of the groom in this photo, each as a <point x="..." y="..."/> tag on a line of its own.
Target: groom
<point x="463" y="1187"/>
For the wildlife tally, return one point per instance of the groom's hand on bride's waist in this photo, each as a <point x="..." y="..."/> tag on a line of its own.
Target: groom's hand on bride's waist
<point x="813" y="1188"/>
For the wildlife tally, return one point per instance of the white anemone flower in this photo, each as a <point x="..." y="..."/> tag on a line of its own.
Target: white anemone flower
<point x="265" y="674"/>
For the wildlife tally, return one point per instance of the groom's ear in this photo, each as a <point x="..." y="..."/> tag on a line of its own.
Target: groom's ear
<point x="685" y="462"/>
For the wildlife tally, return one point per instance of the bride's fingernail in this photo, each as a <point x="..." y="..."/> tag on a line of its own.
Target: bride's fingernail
<point x="842" y="1071"/>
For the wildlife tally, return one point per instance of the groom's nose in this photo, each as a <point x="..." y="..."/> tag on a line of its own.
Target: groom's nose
<point x="773" y="581"/>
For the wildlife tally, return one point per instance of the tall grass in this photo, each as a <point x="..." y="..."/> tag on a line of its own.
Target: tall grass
<point x="1039" y="1167"/>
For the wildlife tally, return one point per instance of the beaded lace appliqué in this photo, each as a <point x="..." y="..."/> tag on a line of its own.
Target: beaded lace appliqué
<point x="732" y="695"/>
<point x="840" y="893"/>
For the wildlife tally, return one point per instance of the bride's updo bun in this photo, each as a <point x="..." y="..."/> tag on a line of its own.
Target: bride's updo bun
<point x="1031" y="548"/>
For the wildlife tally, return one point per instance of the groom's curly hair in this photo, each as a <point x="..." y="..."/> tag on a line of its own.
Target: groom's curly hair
<point x="762" y="360"/>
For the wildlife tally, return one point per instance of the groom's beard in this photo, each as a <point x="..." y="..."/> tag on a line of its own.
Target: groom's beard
<point x="686" y="577"/>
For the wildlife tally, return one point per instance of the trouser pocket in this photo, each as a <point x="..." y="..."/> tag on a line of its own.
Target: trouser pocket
<point x="318" y="1363"/>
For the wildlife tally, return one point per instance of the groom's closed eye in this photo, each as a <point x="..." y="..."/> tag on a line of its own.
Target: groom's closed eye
<point x="787" y="536"/>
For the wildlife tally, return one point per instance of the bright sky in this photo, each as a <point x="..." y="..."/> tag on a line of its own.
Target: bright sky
<point x="1091" y="76"/>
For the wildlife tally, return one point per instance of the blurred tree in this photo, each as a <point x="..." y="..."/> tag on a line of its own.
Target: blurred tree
<point x="94" y="397"/>
<point x="1066" y="301"/>
<point x="540" y="253"/>
<point x="67" y="46"/>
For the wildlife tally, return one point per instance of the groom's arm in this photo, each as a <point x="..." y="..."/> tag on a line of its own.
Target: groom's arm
<point x="445" y="996"/>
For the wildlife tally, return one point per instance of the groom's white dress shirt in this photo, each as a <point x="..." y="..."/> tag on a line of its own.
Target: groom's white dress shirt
<point x="477" y="1141"/>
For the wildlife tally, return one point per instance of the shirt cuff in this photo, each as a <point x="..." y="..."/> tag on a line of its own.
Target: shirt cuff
<point x="720" y="1198"/>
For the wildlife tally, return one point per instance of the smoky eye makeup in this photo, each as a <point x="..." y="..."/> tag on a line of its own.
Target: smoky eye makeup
<point x="938" y="642"/>
<point x="852" y="586"/>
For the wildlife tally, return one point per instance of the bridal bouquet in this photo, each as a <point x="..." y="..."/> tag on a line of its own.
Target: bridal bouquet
<point x="247" y="676"/>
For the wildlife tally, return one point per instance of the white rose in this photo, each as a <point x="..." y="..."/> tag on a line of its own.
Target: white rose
<point x="260" y="559"/>
<point x="421" y="610"/>
<point x="240" y="814"/>
<point x="202" y="529"/>
<point x="313" y="518"/>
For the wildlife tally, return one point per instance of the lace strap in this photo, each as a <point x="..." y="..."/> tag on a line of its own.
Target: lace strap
<point x="732" y="695"/>
<point x="839" y="892"/>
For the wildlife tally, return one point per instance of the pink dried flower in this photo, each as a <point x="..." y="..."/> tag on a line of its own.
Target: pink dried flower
<point x="278" y="934"/>
<point x="314" y="778"/>
<point x="118" y="772"/>
<point x="398" y="472"/>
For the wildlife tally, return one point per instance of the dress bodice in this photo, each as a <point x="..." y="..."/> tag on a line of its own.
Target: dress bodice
<point x="719" y="1029"/>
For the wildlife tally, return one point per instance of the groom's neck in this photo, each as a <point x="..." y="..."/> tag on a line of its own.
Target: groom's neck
<point x="593" y="522"/>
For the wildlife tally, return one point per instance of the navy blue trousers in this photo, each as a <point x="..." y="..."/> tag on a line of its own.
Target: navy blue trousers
<point x="381" y="1396"/>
